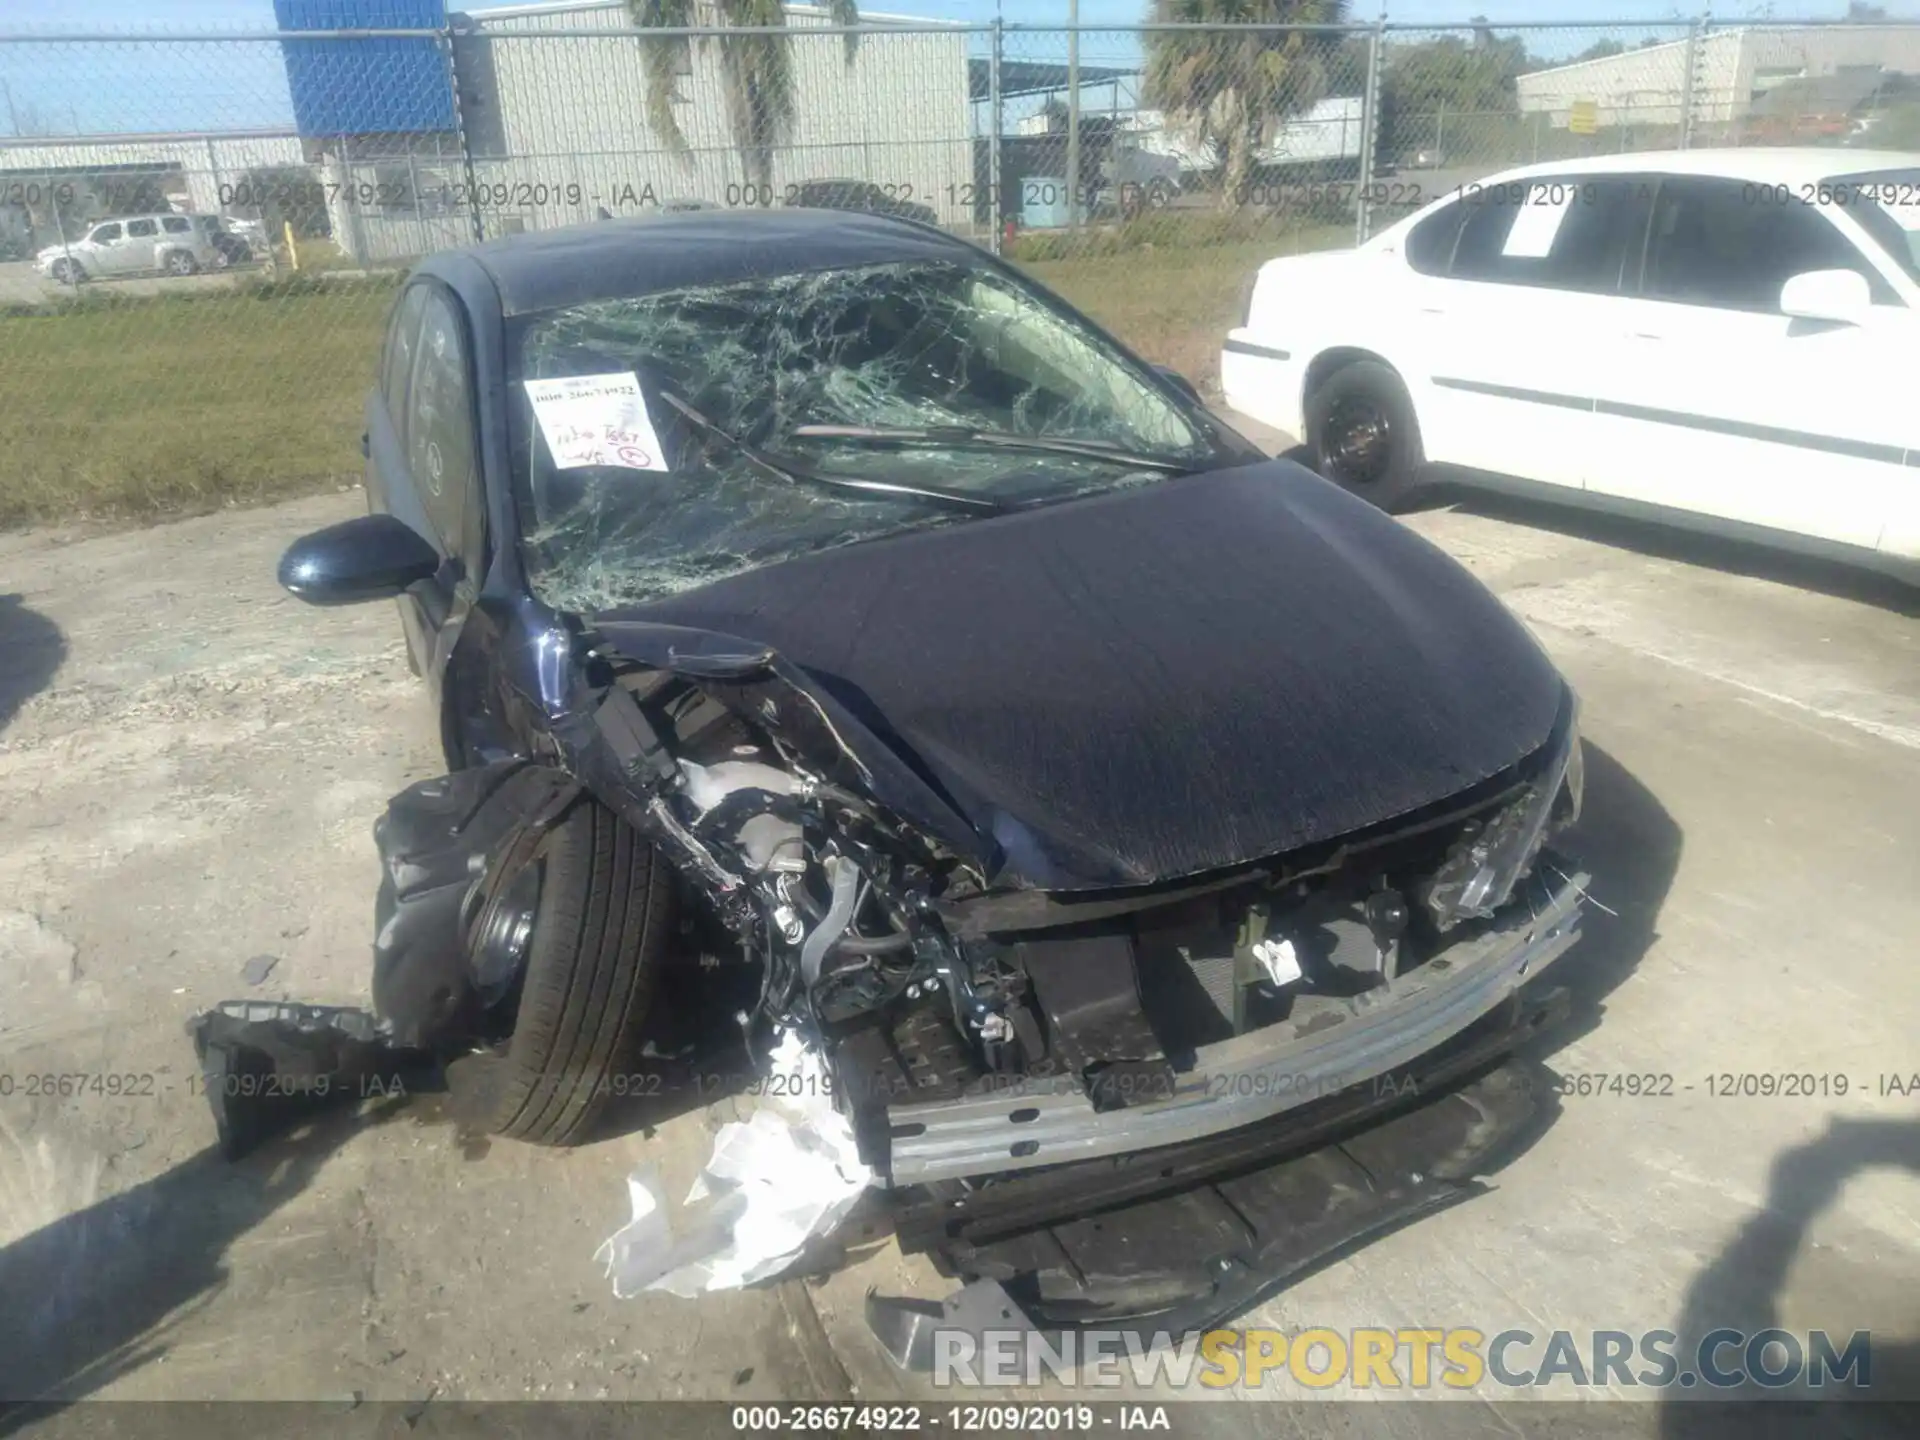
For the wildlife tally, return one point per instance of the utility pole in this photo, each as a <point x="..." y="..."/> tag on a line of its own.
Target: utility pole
<point x="995" y="217"/>
<point x="1073" y="114"/>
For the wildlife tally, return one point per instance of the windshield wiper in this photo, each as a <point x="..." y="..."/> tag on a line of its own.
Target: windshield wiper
<point x="996" y="439"/>
<point x="795" y="476"/>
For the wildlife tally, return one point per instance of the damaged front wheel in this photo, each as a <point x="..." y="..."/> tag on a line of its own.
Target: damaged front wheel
<point x="595" y="926"/>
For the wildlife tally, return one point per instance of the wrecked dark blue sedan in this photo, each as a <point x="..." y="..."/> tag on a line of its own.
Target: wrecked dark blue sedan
<point x="1111" y="807"/>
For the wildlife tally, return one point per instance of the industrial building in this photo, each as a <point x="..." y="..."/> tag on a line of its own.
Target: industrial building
<point x="1739" y="76"/>
<point x="555" y="129"/>
<point x="532" y="125"/>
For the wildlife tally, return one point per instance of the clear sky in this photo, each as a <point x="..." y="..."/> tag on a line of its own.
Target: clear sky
<point x="178" y="86"/>
<point x="252" y="14"/>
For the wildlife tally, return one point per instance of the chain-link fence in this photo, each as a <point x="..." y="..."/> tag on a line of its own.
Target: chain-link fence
<point x="200" y="234"/>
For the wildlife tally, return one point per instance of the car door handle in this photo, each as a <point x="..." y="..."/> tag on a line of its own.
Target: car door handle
<point x="1644" y="335"/>
<point x="366" y="445"/>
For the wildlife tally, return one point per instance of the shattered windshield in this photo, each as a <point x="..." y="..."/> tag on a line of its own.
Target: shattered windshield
<point x="668" y="440"/>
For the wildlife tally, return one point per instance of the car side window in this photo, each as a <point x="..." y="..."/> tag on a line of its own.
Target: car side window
<point x="440" y="427"/>
<point x="176" y="225"/>
<point x="1561" y="232"/>
<point x="1429" y="247"/>
<point x="396" y="368"/>
<point x="1599" y="235"/>
<point x="140" y="229"/>
<point x="1490" y="212"/>
<point x="105" y="234"/>
<point x="1713" y="243"/>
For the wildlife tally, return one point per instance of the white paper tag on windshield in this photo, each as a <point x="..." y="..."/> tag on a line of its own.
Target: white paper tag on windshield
<point x="596" y="420"/>
<point x="1531" y="237"/>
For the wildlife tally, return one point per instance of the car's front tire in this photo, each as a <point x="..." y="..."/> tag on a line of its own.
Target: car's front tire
<point x="1362" y="434"/>
<point x="599" y="933"/>
<point x="66" y="272"/>
<point x="181" y="263"/>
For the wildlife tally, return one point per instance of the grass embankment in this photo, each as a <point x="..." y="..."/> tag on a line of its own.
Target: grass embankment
<point x="127" y="407"/>
<point x="1173" y="304"/>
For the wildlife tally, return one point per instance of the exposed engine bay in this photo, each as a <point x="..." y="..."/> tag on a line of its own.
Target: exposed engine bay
<point x="976" y="1030"/>
<point x="927" y="988"/>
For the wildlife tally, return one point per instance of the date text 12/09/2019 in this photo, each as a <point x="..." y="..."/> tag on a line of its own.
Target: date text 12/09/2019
<point x="80" y="1086"/>
<point x="73" y="1086"/>
<point x="1738" y="1085"/>
<point x="962" y="1419"/>
<point x="404" y="196"/>
<point x="1127" y="195"/>
<point x="640" y="196"/>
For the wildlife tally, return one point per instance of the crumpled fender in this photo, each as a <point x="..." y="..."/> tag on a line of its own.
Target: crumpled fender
<point x="759" y="682"/>
<point x="440" y="842"/>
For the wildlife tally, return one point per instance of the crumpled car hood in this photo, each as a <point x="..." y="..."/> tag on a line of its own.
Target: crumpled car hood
<point x="1156" y="682"/>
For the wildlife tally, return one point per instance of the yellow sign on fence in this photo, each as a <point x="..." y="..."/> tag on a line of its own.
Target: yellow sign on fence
<point x="1584" y="117"/>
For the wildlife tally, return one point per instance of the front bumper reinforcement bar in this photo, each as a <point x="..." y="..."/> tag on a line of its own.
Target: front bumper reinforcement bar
<point x="1247" y="1079"/>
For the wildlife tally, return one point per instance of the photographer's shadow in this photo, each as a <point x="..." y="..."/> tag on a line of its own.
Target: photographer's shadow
<point x="1745" y="1288"/>
<point x="32" y="650"/>
<point x="98" y="1293"/>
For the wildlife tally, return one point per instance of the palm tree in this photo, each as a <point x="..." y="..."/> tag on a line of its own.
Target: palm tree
<point x="1228" y="89"/>
<point x="756" y="72"/>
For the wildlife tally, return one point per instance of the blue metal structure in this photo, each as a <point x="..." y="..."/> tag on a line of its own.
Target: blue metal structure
<point x="369" y="86"/>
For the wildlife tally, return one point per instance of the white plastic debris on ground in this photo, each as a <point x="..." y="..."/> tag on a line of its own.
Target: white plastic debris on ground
<point x="771" y="1185"/>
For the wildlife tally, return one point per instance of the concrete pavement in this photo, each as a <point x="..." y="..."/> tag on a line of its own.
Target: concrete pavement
<point x="190" y="764"/>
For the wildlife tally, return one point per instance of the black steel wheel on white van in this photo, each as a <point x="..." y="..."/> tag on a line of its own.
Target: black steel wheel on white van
<point x="1362" y="434"/>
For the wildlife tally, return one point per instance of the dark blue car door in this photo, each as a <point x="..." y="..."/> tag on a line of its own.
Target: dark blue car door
<point x="423" y="464"/>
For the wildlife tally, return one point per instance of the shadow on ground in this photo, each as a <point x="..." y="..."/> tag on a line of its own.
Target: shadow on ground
<point x="97" y="1294"/>
<point x="1667" y="542"/>
<point x="32" y="650"/>
<point x="1746" y="1288"/>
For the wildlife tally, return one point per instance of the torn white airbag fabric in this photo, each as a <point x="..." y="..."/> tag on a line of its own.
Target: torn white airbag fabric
<point x="772" y="1185"/>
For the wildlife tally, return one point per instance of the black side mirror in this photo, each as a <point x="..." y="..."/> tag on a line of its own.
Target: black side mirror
<point x="1180" y="383"/>
<point x="372" y="557"/>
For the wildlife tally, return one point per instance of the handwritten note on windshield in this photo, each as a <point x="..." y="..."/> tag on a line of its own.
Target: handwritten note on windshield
<point x="596" y="420"/>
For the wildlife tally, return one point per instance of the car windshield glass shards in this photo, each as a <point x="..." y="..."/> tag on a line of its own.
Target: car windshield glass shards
<point x="667" y="440"/>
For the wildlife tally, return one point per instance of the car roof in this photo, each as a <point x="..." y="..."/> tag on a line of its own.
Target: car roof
<point x="611" y="259"/>
<point x="1768" y="165"/>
